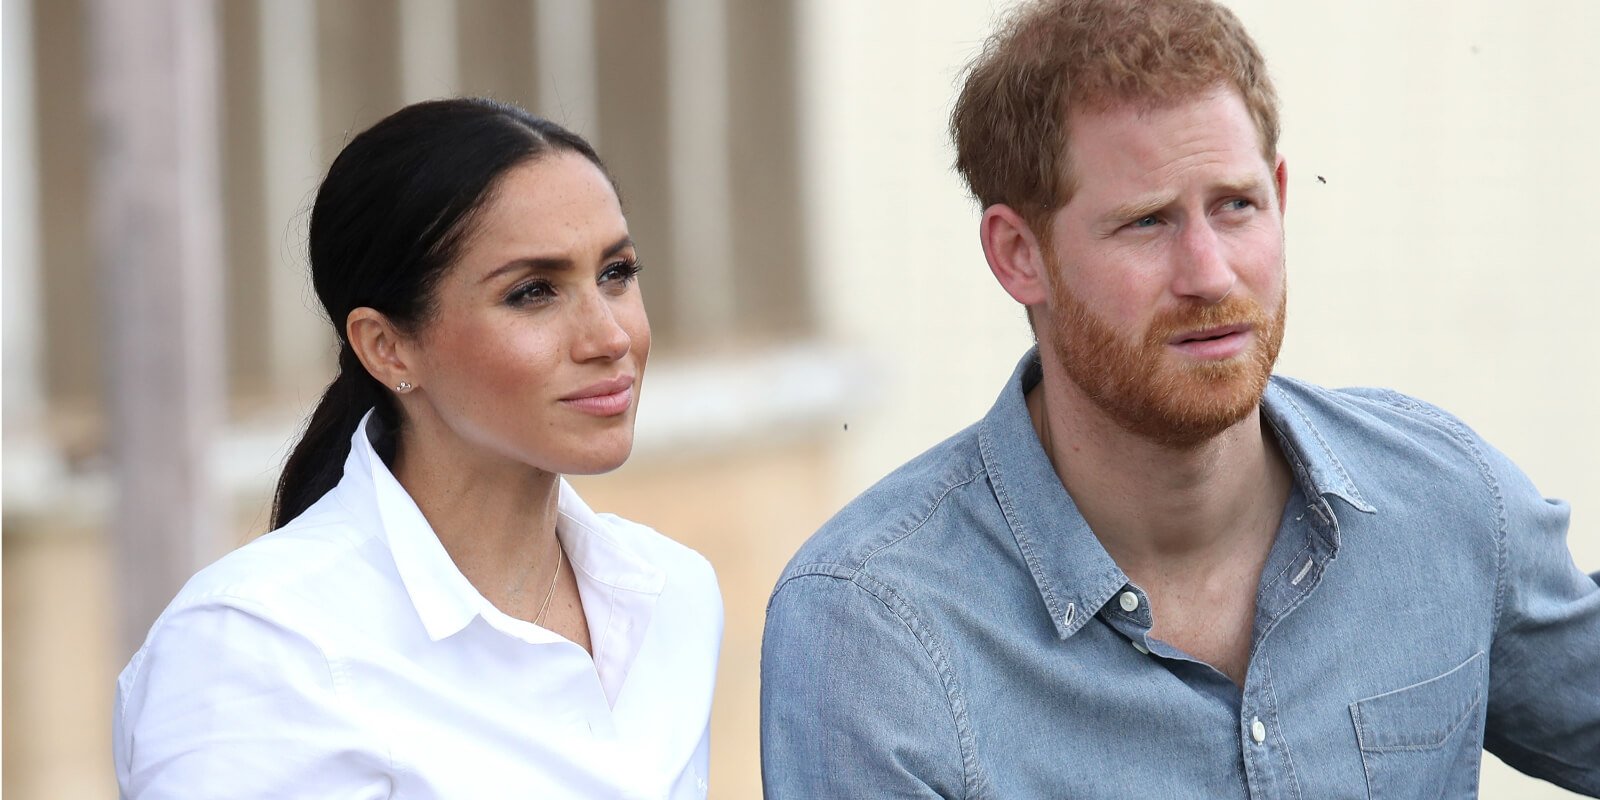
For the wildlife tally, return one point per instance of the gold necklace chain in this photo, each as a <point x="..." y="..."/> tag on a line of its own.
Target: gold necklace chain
<point x="561" y="554"/>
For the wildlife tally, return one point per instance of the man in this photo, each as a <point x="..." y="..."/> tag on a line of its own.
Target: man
<point x="1153" y="569"/>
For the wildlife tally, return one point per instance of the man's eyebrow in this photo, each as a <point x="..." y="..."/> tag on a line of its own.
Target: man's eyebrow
<point x="1139" y="209"/>
<point x="554" y="263"/>
<point x="1240" y="186"/>
<point x="1145" y="206"/>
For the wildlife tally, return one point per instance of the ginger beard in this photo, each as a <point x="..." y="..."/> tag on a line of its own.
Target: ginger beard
<point x="1151" y="392"/>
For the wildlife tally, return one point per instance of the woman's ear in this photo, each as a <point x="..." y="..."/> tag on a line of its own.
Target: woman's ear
<point x="382" y="349"/>
<point x="1014" y="254"/>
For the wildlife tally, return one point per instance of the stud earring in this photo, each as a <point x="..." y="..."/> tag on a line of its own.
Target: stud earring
<point x="403" y="387"/>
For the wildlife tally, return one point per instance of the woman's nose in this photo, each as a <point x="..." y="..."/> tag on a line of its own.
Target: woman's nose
<point x="599" y="334"/>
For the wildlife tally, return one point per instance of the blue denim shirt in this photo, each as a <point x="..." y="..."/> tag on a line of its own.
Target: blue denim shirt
<point x="957" y="631"/>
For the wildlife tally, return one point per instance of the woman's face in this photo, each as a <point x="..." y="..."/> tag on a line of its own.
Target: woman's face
<point x="538" y="342"/>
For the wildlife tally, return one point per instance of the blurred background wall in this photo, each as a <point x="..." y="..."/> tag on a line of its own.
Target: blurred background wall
<point x="822" y="310"/>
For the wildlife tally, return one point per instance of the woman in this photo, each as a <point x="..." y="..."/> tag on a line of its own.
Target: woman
<point x="437" y="613"/>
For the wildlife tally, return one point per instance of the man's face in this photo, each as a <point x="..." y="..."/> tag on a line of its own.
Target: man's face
<point x="1166" y="270"/>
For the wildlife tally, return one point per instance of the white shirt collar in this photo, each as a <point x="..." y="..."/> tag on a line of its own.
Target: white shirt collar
<point x="445" y="600"/>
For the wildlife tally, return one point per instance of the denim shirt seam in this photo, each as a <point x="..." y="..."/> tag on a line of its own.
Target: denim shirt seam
<point x="848" y="568"/>
<point x="1285" y="757"/>
<point x="1466" y="441"/>
<point x="933" y="508"/>
<point x="955" y="701"/>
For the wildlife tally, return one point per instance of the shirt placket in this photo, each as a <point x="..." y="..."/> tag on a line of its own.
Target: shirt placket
<point x="1268" y="762"/>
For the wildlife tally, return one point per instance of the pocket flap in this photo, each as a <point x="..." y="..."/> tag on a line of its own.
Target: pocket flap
<point x="1422" y="715"/>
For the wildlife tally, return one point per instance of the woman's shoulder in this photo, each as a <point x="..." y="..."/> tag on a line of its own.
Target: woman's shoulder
<point x="289" y="572"/>
<point x="254" y="638"/>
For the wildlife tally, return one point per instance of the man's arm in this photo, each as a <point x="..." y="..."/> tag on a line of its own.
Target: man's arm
<point x="1544" y="673"/>
<point x="853" y="699"/>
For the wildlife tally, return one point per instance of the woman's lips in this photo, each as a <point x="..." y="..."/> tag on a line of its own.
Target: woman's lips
<point x="604" y="399"/>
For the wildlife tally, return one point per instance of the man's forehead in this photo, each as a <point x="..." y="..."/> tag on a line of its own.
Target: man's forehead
<point x="1145" y="102"/>
<point x="1132" y="139"/>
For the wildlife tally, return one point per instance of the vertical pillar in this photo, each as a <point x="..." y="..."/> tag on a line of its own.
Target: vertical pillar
<point x="22" y="298"/>
<point x="291" y="165"/>
<point x="429" y="67"/>
<point x="697" y="128"/>
<point x="568" y="78"/>
<point x="157" y="230"/>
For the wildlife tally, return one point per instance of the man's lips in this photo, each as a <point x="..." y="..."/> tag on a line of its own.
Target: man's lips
<point x="1209" y="334"/>
<point x="1213" y="344"/>
<point x="606" y="398"/>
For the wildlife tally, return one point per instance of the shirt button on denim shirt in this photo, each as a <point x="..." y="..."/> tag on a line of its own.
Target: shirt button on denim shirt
<point x="958" y="631"/>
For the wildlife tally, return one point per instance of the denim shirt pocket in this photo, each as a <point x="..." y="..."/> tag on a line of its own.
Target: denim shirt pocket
<point x="1418" y="741"/>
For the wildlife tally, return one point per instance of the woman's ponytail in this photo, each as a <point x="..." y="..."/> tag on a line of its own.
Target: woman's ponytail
<point x="317" y="462"/>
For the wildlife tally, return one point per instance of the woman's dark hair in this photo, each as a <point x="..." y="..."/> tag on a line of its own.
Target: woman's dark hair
<point x="388" y="221"/>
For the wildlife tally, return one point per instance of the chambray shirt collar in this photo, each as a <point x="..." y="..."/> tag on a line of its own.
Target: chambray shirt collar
<point x="1317" y="467"/>
<point x="1075" y="575"/>
<point x="445" y="601"/>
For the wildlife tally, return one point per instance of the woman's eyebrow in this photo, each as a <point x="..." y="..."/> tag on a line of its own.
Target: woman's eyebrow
<point x="553" y="263"/>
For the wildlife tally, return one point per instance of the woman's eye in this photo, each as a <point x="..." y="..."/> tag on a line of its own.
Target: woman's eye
<point x="531" y="292"/>
<point x="621" y="273"/>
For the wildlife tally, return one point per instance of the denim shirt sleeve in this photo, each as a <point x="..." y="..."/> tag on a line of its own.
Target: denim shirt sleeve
<point x="1544" y="676"/>
<point x="852" y="700"/>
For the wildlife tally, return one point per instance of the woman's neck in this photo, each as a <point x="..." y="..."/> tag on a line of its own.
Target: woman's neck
<point x="496" y="517"/>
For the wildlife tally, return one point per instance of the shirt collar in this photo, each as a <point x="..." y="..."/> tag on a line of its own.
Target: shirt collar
<point x="445" y="600"/>
<point x="1317" y="468"/>
<point x="599" y="553"/>
<point x="1074" y="573"/>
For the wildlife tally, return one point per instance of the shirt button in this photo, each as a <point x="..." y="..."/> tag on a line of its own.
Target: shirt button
<point x="1258" y="731"/>
<point x="1140" y="647"/>
<point x="1129" y="601"/>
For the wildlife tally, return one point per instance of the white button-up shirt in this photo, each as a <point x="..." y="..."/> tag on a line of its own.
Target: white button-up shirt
<point x="345" y="655"/>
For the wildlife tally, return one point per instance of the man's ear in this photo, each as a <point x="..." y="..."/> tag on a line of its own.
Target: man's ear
<point x="380" y="346"/>
<point x="1280" y="176"/>
<point x="1014" y="254"/>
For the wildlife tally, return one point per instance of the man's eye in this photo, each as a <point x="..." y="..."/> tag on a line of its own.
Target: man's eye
<point x="1145" y="222"/>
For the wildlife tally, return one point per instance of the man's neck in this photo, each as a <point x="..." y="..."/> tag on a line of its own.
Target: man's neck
<point x="1157" y="509"/>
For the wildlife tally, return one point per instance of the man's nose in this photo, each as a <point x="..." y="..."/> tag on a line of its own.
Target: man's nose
<point x="1202" y="271"/>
